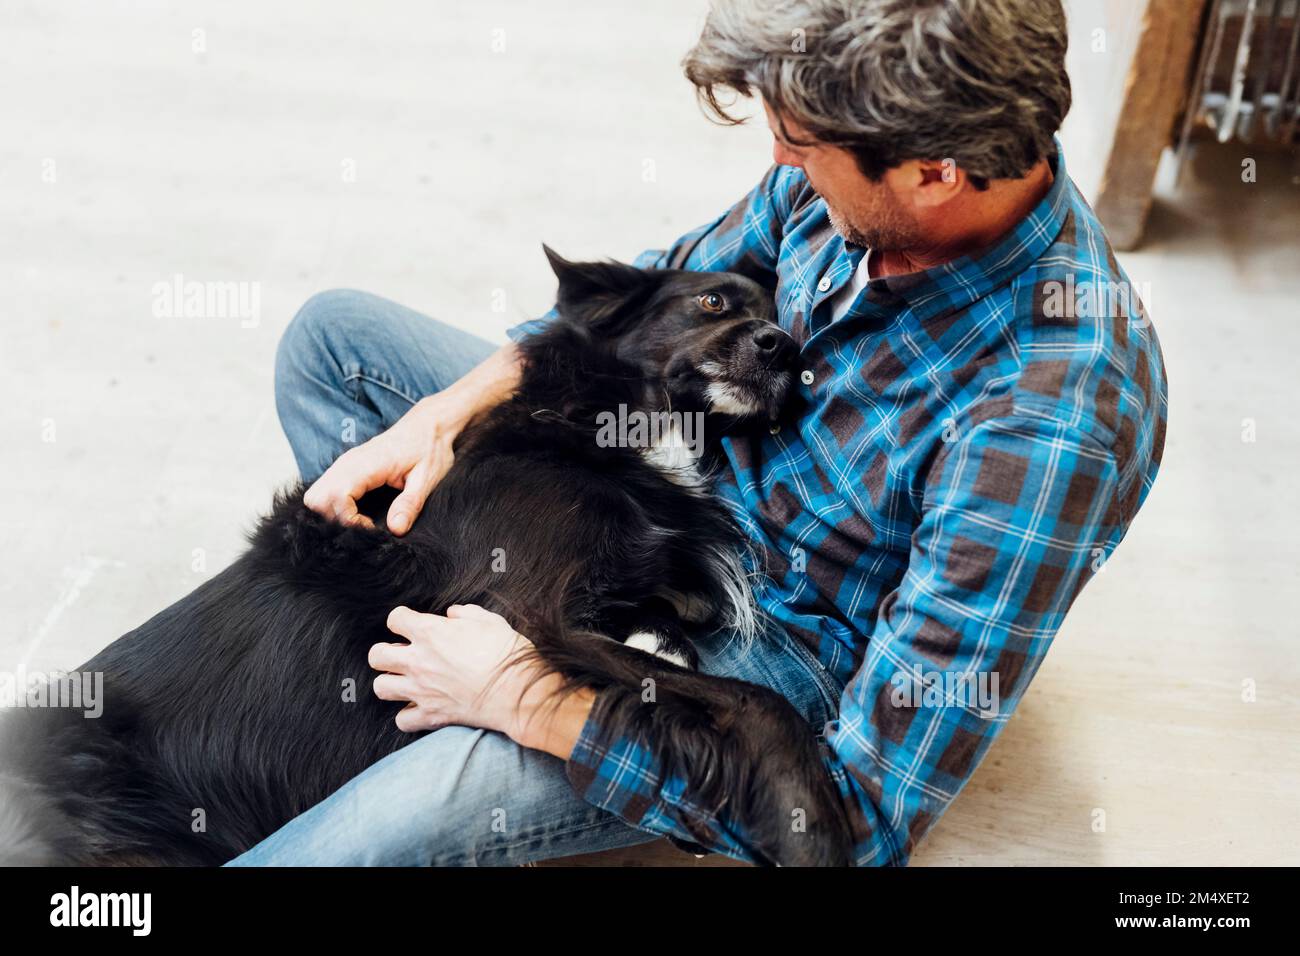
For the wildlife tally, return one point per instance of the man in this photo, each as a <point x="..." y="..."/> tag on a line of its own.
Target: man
<point x="983" y="414"/>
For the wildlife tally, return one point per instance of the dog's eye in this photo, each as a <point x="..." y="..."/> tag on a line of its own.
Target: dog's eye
<point x="712" y="302"/>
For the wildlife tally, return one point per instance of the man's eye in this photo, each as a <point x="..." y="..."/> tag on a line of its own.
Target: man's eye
<point x="712" y="302"/>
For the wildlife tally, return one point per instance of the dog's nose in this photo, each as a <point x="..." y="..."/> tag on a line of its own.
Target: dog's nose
<point x="774" y="346"/>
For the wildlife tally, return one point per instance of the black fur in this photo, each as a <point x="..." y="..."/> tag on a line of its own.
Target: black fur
<point x="232" y="700"/>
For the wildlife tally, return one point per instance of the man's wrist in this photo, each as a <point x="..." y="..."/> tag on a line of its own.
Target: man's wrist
<point x="446" y="412"/>
<point x="546" y="716"/>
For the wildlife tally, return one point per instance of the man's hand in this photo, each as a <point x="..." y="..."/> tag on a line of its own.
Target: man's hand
<point x="471" y="668"/>
<point x="412" y="455"/>
<point x="415" y="452"/>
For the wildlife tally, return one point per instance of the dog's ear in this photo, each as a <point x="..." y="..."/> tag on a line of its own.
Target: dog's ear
<point x="598" y="292"/>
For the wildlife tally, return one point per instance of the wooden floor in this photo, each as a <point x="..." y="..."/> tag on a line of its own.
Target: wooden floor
<point x="424" y="151"/>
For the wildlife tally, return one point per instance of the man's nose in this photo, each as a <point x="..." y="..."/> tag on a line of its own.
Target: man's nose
<point x="783" y="155"/>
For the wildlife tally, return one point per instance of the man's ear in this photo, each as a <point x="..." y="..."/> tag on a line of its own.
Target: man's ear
<point x="936" y="182"/>
<point x="597" y="292"/>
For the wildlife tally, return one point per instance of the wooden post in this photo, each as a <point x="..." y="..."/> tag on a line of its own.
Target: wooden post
<point x="1154" y="93"/>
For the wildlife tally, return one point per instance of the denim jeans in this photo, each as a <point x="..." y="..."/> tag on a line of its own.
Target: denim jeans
<point x="349" y="365"/>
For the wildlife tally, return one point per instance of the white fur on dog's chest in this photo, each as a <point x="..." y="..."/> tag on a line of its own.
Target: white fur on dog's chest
<point x="674" y="458"/>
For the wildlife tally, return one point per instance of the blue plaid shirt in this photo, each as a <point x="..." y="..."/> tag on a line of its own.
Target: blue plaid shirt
<point x="971" y="445"/>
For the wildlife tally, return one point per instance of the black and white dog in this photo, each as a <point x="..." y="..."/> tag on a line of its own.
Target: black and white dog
<point x="231" y="699"/>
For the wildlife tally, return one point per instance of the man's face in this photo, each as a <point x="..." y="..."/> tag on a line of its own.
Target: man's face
<point x="875" y="215"/>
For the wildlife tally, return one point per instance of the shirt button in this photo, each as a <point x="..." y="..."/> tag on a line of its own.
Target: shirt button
<point x="806" y="376"/>
<point x="824" y="284"/>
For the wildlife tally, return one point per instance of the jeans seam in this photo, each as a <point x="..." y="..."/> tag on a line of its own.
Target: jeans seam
<point x="825" y="683"/>
<point x="374" y="379"/>
<point x="544" y="836"/>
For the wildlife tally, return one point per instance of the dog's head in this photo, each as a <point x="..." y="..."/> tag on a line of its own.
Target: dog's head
<point x="707" y="340"/>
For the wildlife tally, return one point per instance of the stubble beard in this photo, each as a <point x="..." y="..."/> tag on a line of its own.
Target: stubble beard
<point x="888" y="232"/>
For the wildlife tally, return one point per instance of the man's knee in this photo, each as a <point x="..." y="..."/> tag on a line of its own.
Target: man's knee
<point x="457" y="796"/>
<point x="308" y="344"/>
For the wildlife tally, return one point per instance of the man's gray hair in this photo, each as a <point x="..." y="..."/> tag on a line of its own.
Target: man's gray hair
<point x="978" y="82"/>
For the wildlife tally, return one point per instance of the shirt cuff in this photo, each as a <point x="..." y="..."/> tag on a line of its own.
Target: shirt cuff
<point x="616" y="775"/>
<point x="525" y="329"/>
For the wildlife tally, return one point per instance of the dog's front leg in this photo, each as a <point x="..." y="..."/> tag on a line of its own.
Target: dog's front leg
<point x="742" y="751"/>
<point x="655" y="627"/>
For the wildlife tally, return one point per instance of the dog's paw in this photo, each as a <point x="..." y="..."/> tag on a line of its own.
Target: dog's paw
<point x="672" y="651"/>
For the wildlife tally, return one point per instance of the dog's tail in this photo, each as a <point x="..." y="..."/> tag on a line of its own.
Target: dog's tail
<point x="34" y="831"/>
<point x="66" y="786"/>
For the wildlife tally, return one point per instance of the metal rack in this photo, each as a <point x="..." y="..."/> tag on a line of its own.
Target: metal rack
<point x="1247" y="80"/>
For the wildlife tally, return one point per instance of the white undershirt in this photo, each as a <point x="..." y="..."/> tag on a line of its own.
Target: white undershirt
<point x="841" y="301"/>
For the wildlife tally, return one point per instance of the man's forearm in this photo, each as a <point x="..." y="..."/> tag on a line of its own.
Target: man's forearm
<point x="483" y="387"/>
